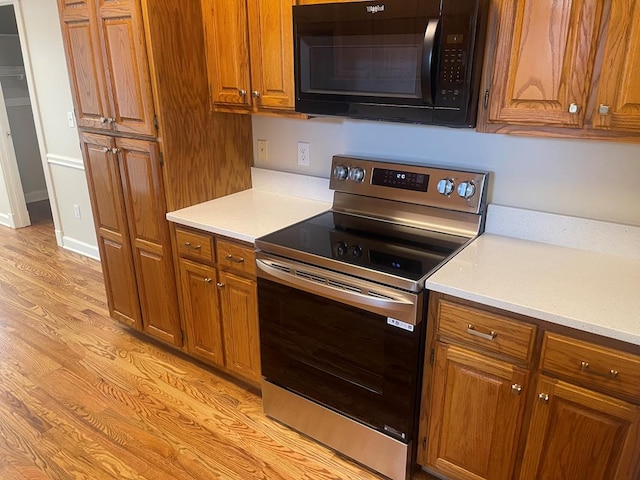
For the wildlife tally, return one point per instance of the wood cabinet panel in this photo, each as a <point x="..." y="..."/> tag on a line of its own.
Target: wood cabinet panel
<point x="544" y="61"/>
<point x="577" y="433"/>
<point x="592" y="365"/>
<point x="109" y="214"/>
<point x="238" y="297"/>
<point x="149" y="230"/>
<point x="476" y="414"/>
<point x="127" y="67"/>
<point x="271" y="37"/>
<point x="201" y="312"/>
<point x="198" y="246"/>
<point x="485" y="330"/>
<point x="227" y="39"/>
<point x="618" y="96"/>
<point x="84" y="65"/>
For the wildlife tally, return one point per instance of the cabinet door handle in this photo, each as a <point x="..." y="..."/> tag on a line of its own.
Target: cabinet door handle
<point x="603" y="110"/>
<point x="543" y="397"/>
<point x="115" y="150"/>
<point x="516" y="389"/>
<point x="242" y="92"/>
<point x="207" y="280"/>
<point x="106" y="149"/>
<point x="220" y="285"/>
<point x="235" y="260"/>
<point x="574" y="108"/>
<point x="255" y="93"/>
<point x="584" y="366"/>
<point x="471" y="330"/>
<point x="103" y="120"/>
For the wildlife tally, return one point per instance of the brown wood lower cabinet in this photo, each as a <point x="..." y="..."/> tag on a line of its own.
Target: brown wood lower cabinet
<point x="479" y="400"/>
<point x="578" y="433"/>
<point x="482" y="418"/>
<point x="219" y="302"/>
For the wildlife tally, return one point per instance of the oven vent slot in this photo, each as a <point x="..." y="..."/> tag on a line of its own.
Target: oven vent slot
<point x="311" y="276"/>
<point x="380" y="295"/>
<point x="282" y="268"/>
<point x="344" y="286"/>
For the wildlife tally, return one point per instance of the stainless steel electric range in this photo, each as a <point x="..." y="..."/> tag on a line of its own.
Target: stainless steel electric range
<point x="342" y="306"/>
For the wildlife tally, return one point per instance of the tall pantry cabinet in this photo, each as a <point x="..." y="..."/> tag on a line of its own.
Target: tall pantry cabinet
<point x="149" y="142"/>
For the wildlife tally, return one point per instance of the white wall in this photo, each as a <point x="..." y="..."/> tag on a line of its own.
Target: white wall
<point x="584" y="178"/>
<point x="62" y="156"/>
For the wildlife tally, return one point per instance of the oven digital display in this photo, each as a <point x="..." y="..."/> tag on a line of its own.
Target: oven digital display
<point x="400" y="179"/>
<point x="395" y="262"/>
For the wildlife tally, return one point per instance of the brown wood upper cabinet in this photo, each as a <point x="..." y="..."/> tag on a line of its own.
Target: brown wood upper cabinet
<point x="108" y="67"/>
<point x="564" y="68"/>
<point x="250" y="54"/>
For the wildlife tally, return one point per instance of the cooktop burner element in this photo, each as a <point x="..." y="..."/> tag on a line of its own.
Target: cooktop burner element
<point x="390" y="223"/>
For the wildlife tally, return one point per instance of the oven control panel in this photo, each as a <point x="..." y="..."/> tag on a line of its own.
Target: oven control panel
<point x="420" y="184"/>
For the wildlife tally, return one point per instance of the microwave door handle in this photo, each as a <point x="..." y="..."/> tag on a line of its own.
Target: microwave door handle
<point x="429" y="60"/>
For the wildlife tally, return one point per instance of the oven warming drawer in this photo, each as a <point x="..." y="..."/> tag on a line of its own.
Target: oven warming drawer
<point x="363" y="444"/>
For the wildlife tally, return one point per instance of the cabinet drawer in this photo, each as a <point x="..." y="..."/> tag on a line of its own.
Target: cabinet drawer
<point x="198" y="246"/>
<point x="599" y="367"/>
<point x="486" y="330"/>
<point x="239" y="258"/>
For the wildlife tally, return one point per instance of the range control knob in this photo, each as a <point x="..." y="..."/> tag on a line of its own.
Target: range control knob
<point x="356" y="174"/>
<point x="340" y="248"/>
<point x="445" y="186"/>
<point x="356" y="251"/>
<point x="466" y="189"/>
<point x="340" y="172"/>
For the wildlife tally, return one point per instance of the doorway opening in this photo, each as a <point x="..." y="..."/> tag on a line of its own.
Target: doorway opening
<point x="26" y="189"/>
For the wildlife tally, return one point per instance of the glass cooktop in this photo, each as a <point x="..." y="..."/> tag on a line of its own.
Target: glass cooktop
<point x="332" y="239"/>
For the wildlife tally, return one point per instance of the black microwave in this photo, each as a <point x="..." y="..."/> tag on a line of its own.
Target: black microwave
<point x="415" y="61"/>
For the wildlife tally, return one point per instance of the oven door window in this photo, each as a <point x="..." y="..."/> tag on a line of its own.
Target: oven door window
<point x="341" y="357"/>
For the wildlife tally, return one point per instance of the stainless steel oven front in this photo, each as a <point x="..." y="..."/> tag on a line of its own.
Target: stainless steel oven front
<point x="342" y="356"/>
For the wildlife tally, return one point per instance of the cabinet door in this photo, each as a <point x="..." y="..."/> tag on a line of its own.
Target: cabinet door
<point x="618" y="98"/>
<point x="149" y="230"/>
<point x="84" y="63"/>
<point x="201" y="311"/>
<point x="227" y="41"/>
<point x="238" y="297"/>
<point x="544" y="61"/>
<point x="271" y="36"/>
<point x="126" y="66"/>
<point x="476" y="415"/>
<point x="107" y="203"/>
<point x="579" y="434"/>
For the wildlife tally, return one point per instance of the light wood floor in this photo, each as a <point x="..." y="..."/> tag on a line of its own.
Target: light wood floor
<point x="83" y="398"/>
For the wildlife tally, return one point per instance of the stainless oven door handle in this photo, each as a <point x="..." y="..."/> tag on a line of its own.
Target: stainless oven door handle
<point x="369" y="296"/>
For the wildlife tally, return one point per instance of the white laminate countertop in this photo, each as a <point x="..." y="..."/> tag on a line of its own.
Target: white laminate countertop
<point x="249" y="214"/>
<point x="579" y="288"/>
<point x="276" y="200"/>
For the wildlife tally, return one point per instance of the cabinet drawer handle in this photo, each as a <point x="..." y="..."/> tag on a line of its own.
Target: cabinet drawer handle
<point x="235" y="260"/>
<point x="543" y="397"/>
<point x="220" y="285"/>
<point x="584" y="366"/>
<point x="471" y="330"/>
<point x="207" y="280"/>
<point x="516" y="389"/>
<point x="189" y="246"/>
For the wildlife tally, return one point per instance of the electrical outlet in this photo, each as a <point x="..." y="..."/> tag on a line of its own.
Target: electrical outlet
<point x="303" y="154"/>
<point x="71" y="120"/>
<point x="262" y="150"/>
<point x="76" y="211"/>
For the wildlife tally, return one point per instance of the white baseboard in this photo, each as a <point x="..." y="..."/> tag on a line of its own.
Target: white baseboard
<point x="36" y="196"/>
<point x="7" y="220"/>
<point x="82" y="248"/>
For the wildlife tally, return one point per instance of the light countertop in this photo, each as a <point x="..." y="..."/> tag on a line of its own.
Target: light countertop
<point x="249" y="214"/>
<point x="577" y="287"/>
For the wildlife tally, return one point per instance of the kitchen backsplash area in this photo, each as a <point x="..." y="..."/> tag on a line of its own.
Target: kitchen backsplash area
<point x="583" y="178"/>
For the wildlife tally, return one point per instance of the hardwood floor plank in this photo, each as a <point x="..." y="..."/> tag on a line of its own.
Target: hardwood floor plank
<point x="82" y="397"/>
